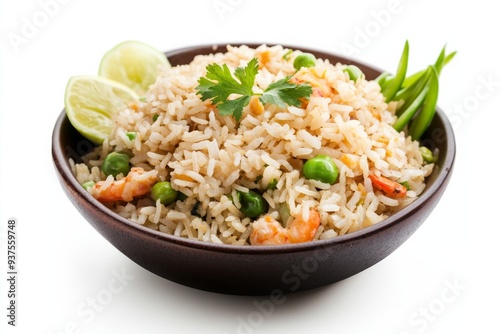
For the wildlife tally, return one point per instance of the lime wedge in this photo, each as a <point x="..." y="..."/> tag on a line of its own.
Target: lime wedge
<point x="134" y="64"/>
<point x="90" y="103"/>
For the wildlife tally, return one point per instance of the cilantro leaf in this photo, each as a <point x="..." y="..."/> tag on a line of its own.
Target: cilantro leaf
<point x="219" y="84"/>
<point x="247" y="75"/>
<point x="283" y="92"/>
<point x="234" y="107"/>
<point x="205" y="89"/>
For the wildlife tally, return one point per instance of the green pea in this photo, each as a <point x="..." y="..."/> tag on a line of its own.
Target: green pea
<point x="87" y="185"/>
<point x="321" y="168"/>
<point x="353" y="71"/>
<point x="131" y="135"/>
<point x="426" y="154"/>
<point x="116" y="163"/>
<point x="252" y="204"/>
<point x="304" y="60"/>
<point x="164" y="192"/>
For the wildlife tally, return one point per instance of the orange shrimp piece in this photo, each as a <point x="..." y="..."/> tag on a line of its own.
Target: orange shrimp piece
<point x="133" y="185"/>
<point x="320" y="86"/>
<point x="389" y="187"/>
<point x="303" y="231"/>
<point x="267" y="231"/>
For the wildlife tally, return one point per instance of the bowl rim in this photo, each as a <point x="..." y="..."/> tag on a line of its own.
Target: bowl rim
<point x="65" y="173"/>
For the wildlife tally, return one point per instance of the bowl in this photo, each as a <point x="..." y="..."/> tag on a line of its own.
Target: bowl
<point x="255" y="270"/>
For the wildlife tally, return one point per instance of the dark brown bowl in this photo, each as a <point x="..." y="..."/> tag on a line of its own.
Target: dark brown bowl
<point x="248" y="270"/>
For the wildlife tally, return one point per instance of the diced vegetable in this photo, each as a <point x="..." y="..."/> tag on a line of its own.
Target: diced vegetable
<point x="426" y="154"/>
<point x="87" y="185"/>
<point x="131" y="135"/>
<point x="284" y="212"/>
<point x="272" y="184"/>
<point x="405" y="184"/>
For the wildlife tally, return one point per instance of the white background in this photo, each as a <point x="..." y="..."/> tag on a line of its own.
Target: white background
<point x="64" y="264"/>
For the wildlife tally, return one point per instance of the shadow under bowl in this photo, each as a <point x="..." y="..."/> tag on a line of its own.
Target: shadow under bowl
<point x="250" y="270"/>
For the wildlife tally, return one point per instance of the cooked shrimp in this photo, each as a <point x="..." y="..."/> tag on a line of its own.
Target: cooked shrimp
<point x="136" y="183"/>
<point x="303" y="231"/>
<point x="389" y="187"/>
<point x="319" y="85"/>
<point x="267" y="231"/>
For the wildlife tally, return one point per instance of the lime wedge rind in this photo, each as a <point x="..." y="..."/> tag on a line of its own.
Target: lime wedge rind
<point x="133" y="63"/>
<point x="91" y="102"/>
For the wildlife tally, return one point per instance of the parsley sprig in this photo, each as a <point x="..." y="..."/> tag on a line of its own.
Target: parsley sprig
<point x="219" y="84"/>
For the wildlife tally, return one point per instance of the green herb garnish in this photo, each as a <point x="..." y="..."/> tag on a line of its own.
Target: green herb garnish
<point x="219" y="84"/>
